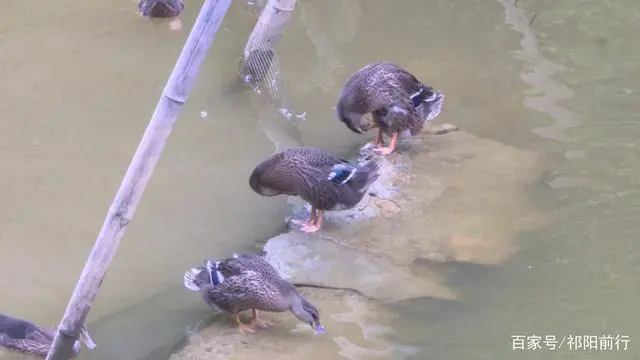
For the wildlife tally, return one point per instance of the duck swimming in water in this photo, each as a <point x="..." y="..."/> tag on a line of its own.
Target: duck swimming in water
<point x="162" y="9"/>
<point x="324" y="180"/>
<point x="22" y="336"/>
<point x="249" y="282"/>
<point x="397" y="100"/>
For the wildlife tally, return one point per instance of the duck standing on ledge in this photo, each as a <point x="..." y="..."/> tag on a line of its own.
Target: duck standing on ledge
<point x="163" y="9"/>
<point x="30" y="339"/>
<point x="249" y="282"/>
<point x="324" y="180"/>
<point x="396" y="99"/>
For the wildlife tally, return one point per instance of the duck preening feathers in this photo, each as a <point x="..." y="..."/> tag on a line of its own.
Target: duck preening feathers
<point x="324" y="180"/>
<point x="395" y="98"/>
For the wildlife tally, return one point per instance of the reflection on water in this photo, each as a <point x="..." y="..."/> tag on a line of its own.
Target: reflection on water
<point x="81" y="81"/>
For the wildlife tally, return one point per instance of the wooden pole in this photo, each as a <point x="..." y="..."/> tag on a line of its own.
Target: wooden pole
<point x="174" y="95"/>
<point x="263" y="39"/>
<point x="270" y="25"/>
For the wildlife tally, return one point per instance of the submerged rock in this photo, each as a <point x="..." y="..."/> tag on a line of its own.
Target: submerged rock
<point x="354" y="326"/>
<point x="449" y="197"/>
<point x="306" y="259"/>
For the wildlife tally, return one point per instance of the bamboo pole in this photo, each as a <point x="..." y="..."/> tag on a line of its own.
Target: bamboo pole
<point x="121" y="212"/>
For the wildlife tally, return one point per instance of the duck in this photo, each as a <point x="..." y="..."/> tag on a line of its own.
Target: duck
<point x="398" y="102"/>
<point x="325" y="181"/>
<point x="30" y="339"/>
<point x="249" y="282"/>
<point x="162" y="9"/>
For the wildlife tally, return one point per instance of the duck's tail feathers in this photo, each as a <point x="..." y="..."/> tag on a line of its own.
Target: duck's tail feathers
<point x="432" y="103"/>
<point x="419" y="96"/>
<point x="215" y="276"/>
<point x="195" y="278"/>
<point x="191" y="279"/>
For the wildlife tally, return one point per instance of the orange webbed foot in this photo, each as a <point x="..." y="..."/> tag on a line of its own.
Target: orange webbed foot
<point x="389" y="149"/>
<point x="256" y="321"/>
<point x="309" y="228"/>
<point x="303" y="222"/>
<point x="315" y="225"/>
<point x="243" y="328"/>
<point x="383" y="150"/>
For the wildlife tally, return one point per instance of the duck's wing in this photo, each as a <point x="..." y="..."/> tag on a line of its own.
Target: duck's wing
<point x="249" y="290"/>
<point x="395" y="109"/>
<point x="259" y="264"/>
<point x="314" y="157"/>
<point x="239" y="263"/>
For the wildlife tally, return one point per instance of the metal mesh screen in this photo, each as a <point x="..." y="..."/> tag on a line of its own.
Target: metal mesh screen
<point x="261" y="68"/>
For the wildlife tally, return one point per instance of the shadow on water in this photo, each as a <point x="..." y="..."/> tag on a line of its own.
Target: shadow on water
<point x="81" y="80"/>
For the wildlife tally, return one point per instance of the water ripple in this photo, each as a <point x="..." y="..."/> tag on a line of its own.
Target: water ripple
<point x="540" y="77"/>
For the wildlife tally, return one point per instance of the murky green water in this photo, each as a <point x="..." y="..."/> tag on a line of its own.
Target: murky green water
<point x="579" y="66"/>
<point x="80" y="82"/>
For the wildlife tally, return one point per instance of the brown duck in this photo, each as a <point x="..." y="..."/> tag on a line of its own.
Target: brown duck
<point x="324" y="180"/>
<point x="397" y="100"/>
<point x="249" y="282"/>
<point x="22" y="336"/>
<point x="162" y="9"/>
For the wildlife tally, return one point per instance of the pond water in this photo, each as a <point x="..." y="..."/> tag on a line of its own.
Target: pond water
<point x="80" y="81"/>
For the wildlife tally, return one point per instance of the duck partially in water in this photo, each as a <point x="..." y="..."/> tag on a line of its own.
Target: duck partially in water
<point x="162" y="9"/>
<point x="397" y="101"/>
<point x="249" y="282"/>
<point x="324" y="180"/>
<point x="30" y="339"/>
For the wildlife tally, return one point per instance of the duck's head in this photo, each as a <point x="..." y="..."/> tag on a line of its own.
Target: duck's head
<point x="351" y="124"/>
<point x="161" y="8"/>
<point x="307" y="313"/>
<point x="351" y="119"/>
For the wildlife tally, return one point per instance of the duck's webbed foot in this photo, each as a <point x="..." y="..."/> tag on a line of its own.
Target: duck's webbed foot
<point x="300" y="222"/>
<point x="256" y="321"/>
<point x="389" y="149"/>
<point x="309" y="228"/>
<point x="315" y="225"/>
<point x="310" y="221"/>
<point x="243" y="328"/>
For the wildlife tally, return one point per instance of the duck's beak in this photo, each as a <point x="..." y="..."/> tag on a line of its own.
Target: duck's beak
<point x="348" y="121"/>
<point x="319" y="329"/>
<point x="353" y="128"/>
<point x="86" y="339"/>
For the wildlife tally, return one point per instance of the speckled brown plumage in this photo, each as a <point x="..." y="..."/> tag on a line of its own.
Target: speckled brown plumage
<point x="249" y="282"/>
<point x="304" y="171"/>
<point x="397" y="100"/>
<point x="237" y="264"/>
<point x="22" y="336"/>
